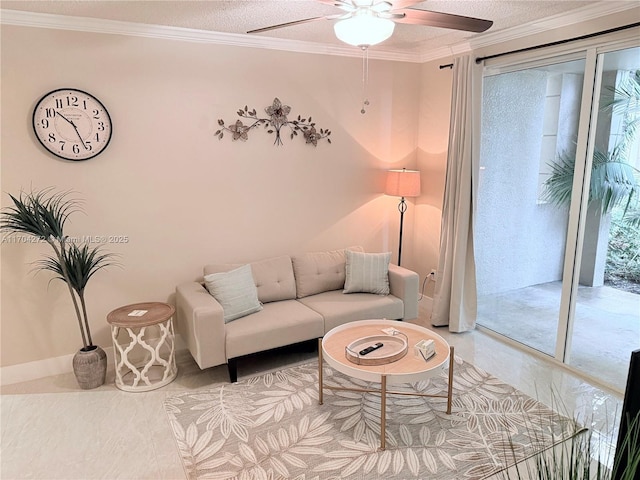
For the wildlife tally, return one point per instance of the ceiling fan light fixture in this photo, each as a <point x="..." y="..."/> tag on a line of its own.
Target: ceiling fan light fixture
<point x="363" y="29"/>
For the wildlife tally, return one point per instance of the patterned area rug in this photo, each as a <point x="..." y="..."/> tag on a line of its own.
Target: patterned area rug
<point x="271" y="427"/>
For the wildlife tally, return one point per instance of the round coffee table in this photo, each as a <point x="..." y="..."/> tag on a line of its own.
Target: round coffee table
<point x="145" y="356"/>
<point x="408" y="369"/>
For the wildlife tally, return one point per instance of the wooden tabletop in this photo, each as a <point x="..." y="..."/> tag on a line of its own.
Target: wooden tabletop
<point x="407" y="369"/>
<point x="140" y="315"/>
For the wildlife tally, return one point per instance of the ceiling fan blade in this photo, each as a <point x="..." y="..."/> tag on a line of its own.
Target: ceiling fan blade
<point x="295" y="22"/>
<point x="396" y="4"/>
<point x="416" y="16"/>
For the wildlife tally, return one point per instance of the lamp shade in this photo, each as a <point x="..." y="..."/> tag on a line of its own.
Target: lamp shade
<point x="363" y="29"/>
<point x="403" y="183"/>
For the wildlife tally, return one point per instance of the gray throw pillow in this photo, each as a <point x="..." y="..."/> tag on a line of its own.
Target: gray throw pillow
<point x="235" y="291"/>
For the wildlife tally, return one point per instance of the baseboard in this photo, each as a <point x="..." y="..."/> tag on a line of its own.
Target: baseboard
<point x="25" y="372"/>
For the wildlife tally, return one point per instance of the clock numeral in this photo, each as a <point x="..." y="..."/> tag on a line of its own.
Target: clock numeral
<point x="62" y="144"/>
<point x="97" y="137"/>
<point x="75" y="148"/>
<point x="88" y="145"/>
<point x="45" y="123"/>
<point x="50" y="112"/>
<point x="59" y="103"/>
<point x="101" y="126"/>
<point x="96" y="114"/>
<point x="72" y="101"/>
<point x="52" y="138"/>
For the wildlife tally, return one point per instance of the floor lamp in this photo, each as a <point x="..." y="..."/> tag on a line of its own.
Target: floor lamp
<point x="402" y="183"/>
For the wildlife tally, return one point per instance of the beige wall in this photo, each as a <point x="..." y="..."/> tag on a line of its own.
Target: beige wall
<point x="180" y="195"/>
<point x="433" y="138"/>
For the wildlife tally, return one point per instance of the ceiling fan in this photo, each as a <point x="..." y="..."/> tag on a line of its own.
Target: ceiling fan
<point x="367" y="22"/>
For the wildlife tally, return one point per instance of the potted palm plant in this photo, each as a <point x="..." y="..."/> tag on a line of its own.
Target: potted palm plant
<point x="43" y="215"/>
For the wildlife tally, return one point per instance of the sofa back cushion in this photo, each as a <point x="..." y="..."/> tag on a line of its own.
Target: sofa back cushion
<point x="318" y="272"/>
<point x="273" y="277"/>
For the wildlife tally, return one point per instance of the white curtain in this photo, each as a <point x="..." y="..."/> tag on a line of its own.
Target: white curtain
<point x="455" y="298"/>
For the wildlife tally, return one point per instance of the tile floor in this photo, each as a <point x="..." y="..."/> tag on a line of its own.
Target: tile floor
<point x="53" y="430"/>
<point x="606" y="327"/>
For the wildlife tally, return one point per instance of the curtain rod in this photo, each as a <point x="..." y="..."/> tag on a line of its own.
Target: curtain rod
<point x="551" y="44"/>
<point x="560" y="42"/>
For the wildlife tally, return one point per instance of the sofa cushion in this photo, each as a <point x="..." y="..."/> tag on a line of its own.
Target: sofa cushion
<point x="319" y="272"/>
<point x="273" y="277"/>
<point x="367" y="273"/>
<point x="235" y="291"/>
<point x="337" y="308"/>
<point x="278" y="324"/>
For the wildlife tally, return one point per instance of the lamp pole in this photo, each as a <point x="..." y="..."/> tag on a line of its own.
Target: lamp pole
<point x="402" y="207"/>
<point x="402" y="183"/>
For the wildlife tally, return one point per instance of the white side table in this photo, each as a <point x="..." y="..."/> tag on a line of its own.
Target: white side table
<point x="144" y="346"/>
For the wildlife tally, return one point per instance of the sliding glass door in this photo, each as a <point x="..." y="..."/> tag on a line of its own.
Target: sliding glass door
<point x="605" y="326"/>
<point x="542" y="220"/>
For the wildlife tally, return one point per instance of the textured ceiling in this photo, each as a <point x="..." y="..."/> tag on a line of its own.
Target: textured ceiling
<point x="239" y="16"/>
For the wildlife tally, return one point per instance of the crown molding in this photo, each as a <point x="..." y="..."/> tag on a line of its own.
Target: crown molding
<point x="445" y="52"/>
<point x="114" y="27"/>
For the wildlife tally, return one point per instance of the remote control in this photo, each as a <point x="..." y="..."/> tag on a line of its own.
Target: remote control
<point x="370" y="349"/>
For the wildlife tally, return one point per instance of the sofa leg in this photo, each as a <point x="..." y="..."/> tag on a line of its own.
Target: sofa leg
<point x="232" y="364"/>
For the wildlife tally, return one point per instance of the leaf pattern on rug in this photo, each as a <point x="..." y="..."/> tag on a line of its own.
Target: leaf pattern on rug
<point x="271" y="427"/>
<point x="225" y="409"/>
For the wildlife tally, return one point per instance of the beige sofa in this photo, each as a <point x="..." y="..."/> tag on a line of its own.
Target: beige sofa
<point x="300" y="298"/>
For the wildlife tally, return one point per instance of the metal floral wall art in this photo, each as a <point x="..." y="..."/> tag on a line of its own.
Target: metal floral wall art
<point x="277" y="119"/>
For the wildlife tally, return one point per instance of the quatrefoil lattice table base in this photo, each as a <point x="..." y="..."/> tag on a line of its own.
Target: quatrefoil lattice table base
<point x="144" y="346"/>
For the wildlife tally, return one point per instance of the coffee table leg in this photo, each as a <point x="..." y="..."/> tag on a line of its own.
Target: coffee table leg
<point x="450" y="386"/>
<point x="320" y="371"/>
<point x="383" y="411"/>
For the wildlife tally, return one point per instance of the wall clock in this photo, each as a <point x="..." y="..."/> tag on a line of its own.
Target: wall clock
<point x="72" y="124"/>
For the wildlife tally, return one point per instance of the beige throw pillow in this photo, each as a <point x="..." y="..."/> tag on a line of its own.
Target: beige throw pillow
<point x="235" y="291"/>
<point x="367" y="273"/>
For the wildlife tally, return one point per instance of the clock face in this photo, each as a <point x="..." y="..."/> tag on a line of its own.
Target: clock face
<point x="72" y="124"/>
